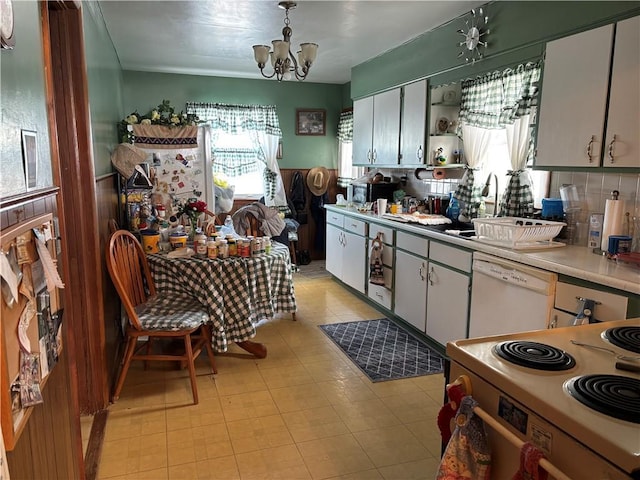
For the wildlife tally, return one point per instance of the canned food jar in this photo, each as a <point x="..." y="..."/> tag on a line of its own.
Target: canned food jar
<point x="233" y="247"/>
<point x="212" y="250"/>
<point x="178" y="240"/>
<point x="150" y="241"/>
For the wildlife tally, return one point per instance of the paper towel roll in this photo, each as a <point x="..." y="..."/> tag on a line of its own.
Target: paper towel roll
<point x="612" y="224"/>
<point x="439" y="173"/>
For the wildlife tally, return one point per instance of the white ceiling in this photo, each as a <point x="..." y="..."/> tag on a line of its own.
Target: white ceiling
<point x="214" y="37"/>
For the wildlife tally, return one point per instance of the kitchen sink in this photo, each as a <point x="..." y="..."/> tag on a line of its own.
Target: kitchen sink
<point x="465" y="228"/>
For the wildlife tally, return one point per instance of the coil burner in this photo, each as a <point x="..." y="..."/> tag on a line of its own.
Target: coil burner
<point x="534" y="355"/>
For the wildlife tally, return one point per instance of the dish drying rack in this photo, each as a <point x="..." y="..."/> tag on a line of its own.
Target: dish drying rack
<point x="517" y="233"/>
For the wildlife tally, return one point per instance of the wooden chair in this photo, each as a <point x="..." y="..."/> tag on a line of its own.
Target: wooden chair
<point x="254" y="227"/>
<point x="113" y="226"/>
<point x="152" y="316"/>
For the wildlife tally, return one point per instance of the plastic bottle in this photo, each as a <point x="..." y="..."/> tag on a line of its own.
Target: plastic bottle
<point x="227" y="228"/>
<point x="453" y="209"/>
<point x="482" y="209"/>
<point x="200" y="242"/>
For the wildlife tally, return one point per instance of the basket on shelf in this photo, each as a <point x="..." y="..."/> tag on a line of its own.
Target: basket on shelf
<point x="517" y="233"/>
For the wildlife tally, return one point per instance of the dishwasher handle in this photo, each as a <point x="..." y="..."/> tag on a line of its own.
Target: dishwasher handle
<point x="514" y="276"/>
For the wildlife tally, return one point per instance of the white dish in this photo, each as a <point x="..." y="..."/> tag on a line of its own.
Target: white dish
<point x="442" y="125"/>
<point x="449" y="96"/>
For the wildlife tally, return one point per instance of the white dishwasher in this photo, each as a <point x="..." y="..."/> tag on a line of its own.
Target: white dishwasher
<point x="508" y="297"/>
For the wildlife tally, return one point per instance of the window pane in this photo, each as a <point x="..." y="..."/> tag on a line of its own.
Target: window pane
<point x="247" y="180"/>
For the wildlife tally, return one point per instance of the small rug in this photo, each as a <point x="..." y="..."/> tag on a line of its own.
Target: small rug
<point x="383" y="350"/>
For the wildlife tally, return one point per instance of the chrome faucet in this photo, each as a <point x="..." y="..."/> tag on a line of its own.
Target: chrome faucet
<point x="485" y="192"/>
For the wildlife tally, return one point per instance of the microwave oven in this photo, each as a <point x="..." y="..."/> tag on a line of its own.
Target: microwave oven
<point x="370" y="192"/>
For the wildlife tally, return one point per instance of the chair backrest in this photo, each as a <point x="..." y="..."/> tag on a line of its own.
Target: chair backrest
<point x="129" y="270"/>
<point x="113" y="226"/>
<point x="254" y="226"/>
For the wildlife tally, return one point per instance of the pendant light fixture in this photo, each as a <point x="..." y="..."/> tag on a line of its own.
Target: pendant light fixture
<point x="284" y="63"/>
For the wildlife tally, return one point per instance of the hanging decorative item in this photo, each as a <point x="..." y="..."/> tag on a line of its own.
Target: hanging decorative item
<point x="474" y="45"/>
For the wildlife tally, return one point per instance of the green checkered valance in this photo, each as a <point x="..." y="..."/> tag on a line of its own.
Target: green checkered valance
<point x="345" y="126"/>
<point x="237" y="118"/>
<point x="235" y="161"/>
<point x="498" y="98"/>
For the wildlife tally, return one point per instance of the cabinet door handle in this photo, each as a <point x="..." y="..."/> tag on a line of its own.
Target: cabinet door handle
<point x="610" y="148"/>
<point x="420" y="153"/>
<point x="421" y="272"/>
<point x="374" y="158"/>
<point x="369" y="156"/>
<point x="431" y="275"/>
<point x="590" y="148"/>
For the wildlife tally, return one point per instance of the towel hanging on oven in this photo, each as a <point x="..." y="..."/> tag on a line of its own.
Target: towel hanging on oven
<point x="467" y="456"/>
<point x="376" y="269"/>
<point x="530" y="469"/>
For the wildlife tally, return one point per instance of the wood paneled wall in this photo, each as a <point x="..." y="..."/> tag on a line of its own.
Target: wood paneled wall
<point x="107" y="205"/>
<point x="50" y="446"/>
<point x="306" y="233"/>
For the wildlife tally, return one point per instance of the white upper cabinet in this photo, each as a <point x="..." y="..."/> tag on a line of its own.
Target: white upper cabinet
<point x="376" y="129"/>
<point x="362" y="131"/>
<point x="574" y="99"/>
<point x="579" y="74"/>
<point x="413" y="128"/>
<point x="622" y="146"/>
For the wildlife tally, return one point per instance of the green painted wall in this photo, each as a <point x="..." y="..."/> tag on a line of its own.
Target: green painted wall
<point x="143" y="91"/>
<point x="22" y="98"/>
<point x="516" y="28"/>
<point x="104" y="78"/>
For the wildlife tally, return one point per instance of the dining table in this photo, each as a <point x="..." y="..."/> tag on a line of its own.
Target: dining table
<point x="238" y="292"/>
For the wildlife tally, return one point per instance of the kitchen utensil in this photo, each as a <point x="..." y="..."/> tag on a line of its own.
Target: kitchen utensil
<point x="628" y="367"/>
<point x="627" y="358"/>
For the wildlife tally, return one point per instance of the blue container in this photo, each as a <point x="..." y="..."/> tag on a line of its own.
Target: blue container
<point x="552" y="208"/>
<point x="619" y="244"/>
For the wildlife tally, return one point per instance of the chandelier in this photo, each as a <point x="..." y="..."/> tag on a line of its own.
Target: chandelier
<point x="284" y="63"/>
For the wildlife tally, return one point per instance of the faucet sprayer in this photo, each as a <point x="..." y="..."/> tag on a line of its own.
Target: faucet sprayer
<point x="485" y="192"/>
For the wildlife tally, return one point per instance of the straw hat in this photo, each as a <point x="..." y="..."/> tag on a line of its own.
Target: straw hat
<point x="125" y="157"/>
<point x="318" y="180"/>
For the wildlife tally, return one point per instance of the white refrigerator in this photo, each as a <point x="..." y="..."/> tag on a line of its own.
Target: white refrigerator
<point x="182" y="173"/>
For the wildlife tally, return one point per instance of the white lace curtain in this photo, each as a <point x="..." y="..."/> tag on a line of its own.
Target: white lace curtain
<point x="261" y="121"/>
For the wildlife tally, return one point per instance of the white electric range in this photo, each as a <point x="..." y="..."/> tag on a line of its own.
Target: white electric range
<point x="541" y="406"/>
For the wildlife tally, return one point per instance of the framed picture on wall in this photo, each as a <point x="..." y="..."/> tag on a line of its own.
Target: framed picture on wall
<point x="311" y="122"/>
<point x="30" y="158"/>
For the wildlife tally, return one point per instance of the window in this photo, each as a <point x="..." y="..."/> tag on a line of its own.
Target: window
<point x="498" y="163"/>
<point x="235" y="156"/>
<point x="245" y="141"/>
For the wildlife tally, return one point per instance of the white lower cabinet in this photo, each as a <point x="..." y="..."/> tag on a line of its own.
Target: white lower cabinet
<point x="410" y="301"/>
<point x="334" y="248"/>
<point x="354" y="260"/>
<point x="346" y="251"/>
<point x="432" y="294"/>
<point x="447" y="304"/>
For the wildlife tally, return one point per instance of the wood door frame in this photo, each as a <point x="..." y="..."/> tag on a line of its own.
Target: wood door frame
<point x="73" y="171"/>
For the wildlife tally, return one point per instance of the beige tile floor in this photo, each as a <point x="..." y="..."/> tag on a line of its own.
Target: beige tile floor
<point x="304" y="412"/>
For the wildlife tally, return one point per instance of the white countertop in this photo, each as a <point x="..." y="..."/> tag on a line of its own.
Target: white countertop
<point x="574" y="261"/>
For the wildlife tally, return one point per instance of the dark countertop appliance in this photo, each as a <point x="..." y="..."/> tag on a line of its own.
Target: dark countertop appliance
<point x="370" y="192"/>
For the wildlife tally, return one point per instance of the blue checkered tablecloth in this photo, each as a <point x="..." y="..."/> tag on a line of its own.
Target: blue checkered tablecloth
<point x="238" y="292"/>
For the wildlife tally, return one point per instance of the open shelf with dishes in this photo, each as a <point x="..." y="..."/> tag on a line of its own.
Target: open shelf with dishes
<point x="445" y="145"/>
